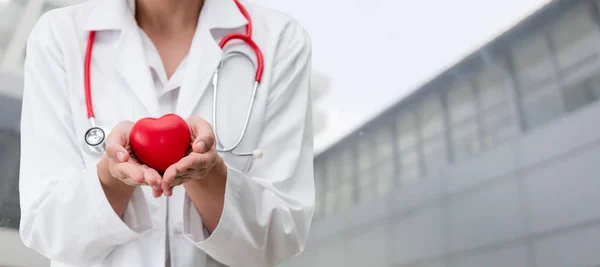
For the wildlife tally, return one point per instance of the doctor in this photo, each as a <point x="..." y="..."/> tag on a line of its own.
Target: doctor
<point x="152" y="57"/>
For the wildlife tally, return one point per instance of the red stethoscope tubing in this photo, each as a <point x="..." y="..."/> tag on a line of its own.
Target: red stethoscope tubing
<point x="246" y="38"/>
<point x="87" y="75"/>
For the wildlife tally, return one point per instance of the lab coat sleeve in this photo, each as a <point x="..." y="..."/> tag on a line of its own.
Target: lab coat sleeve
<point x="65" y="215"/>
<point x="268" y="210"/>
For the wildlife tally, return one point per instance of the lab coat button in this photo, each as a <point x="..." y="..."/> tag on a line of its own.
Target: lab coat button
<point x="178" y="229"/>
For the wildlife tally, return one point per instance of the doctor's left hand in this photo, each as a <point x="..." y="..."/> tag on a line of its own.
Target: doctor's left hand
<point x="201" y="161"/>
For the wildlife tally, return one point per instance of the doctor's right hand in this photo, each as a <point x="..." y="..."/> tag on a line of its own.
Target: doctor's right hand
<point x="122" y="163"/>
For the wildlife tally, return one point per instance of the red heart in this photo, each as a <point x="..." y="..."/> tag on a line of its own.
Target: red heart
<point x="160" y="143"/>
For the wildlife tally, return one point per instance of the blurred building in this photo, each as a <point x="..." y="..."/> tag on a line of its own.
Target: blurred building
<point x="495" y="162"/>
<point x="319" y="88"/>
<point x="17" y="17"/>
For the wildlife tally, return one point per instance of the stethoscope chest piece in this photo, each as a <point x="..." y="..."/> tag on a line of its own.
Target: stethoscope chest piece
<point x="95" y="140"/>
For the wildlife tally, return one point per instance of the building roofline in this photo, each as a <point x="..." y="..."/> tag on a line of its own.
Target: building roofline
<point x="499" y="44"/>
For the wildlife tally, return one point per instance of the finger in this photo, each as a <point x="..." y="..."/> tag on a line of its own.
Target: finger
<point x="117" y="141"/>
<point x="191" y="161"/>
<point x="128" y="181"/>
<point x="129" y="170"/>
<point x="179" y="181"/>
<point x="158" y="179"/>
<point x="169" y="192"/>
<point x="169" y="174"/>
<point x="157" y="192"/>
<point x="165" y="188"/>
<point x="117" y="152"/>
<point x="151" y="176"/>
<point x="202" y="131"/>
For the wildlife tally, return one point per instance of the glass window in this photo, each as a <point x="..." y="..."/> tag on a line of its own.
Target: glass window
<point x="366" y="152"/>
<point x="346" y="197"/>
<point x="463" y="123"/>
<point x="386" y="181"/>
<point x="532" y="61"/>
<point x="434" y="154"/>
<point x="407" y="146"/>
<point x="407" y="130"/>
<point x="409" y="165"/>
<point x="347" y="171"/>
<point x="583" y="93"/>
<point x="431" y="122"/>
<point x="384" y="142"/>
<point x="333" y="172"/>
<point x="385" y="158"/>
<point x="541" y="106"/>
<point x="367" y="188"/>
<point x="461" y="104"/>
<point x="577" y="96"/>
<point x="340" y="174"/>
<point x="539" y="98"/>
<point x="331" y="203"/>
<point x="368" y="174"/>
<point x="499" y="125"/>
<point x="465" y="139"/>
<point x="492" y="83"/>
<point x="430" y="116"/>
<point x="575" y="37"/>
<point x="332" y="181"/>
<point x="347" y="164"/>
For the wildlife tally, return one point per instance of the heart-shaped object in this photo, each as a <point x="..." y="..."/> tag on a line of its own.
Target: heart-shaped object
<point x="160" y="143"/>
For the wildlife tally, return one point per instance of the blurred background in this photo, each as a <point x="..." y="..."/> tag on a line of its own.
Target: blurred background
<point x="458" y="133"/>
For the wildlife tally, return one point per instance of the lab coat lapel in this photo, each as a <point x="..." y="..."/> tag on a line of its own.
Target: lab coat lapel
<point x="204" y="57"/>
<point x="131" y="60"/>
<point x="205" y="53"/>
<point x="133" y="68"/>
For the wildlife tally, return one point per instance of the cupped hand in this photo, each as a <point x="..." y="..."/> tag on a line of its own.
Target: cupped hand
<point x="123" y="164"/>
<point x="200" y="160"/>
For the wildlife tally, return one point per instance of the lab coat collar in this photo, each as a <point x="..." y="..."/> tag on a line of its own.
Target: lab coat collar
<point x="204" y="55"/>
<point x="115" y="14"/>
<point x="108" y="15"/>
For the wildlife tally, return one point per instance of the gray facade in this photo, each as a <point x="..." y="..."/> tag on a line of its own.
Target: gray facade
<point x="493" y="163"/>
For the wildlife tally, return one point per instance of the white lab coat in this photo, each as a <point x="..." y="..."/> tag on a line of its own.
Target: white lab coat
<point x="269" y="202"/>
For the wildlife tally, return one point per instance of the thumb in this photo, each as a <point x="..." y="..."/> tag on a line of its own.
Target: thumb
<point x="122" y="156"/>
<point x="117" y="153"/>
<point x="203" y="131"/>
<point x="116" y="142"/>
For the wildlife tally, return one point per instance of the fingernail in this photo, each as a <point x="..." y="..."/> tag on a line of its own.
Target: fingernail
<point x="120" y="156"/>
<point x="202" y="146"/>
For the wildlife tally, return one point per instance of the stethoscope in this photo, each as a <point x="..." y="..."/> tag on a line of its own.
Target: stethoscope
<point x="95" y="136"/>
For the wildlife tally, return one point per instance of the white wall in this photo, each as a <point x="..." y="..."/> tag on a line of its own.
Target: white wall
<point x="14" y="253"/>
